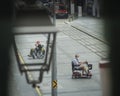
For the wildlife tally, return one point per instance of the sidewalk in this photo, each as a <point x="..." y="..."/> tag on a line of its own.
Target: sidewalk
<point x="93" y="29"/>
<point x="91" y="26"/>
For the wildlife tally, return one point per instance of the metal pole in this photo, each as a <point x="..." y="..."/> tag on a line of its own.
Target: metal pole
<point x="54" y="71"/>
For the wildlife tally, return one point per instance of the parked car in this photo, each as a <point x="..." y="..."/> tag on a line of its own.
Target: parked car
<point x="61" y="11"/>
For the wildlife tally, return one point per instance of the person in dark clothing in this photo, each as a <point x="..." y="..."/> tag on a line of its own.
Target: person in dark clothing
<point x="38" y="47"/>
<point x="38" y="51"/>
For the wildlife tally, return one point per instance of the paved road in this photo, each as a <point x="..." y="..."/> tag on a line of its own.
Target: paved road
<point x="91" y="34"/>
<point x="69" y="42"/>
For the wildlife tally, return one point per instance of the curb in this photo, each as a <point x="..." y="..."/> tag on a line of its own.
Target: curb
<point x="80" y="28"/>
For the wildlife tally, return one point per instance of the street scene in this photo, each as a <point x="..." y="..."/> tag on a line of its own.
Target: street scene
<point x="71" y="41"/>
<point x="88" y="42"/>
<point x="58" y="48"/>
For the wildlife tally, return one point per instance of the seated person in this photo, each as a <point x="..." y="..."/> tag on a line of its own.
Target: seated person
<point x="37" y="50"/>
<point x="77" y="65"/>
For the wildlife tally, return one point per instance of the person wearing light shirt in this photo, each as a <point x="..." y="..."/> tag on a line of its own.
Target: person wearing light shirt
<point x="80" y="65"/>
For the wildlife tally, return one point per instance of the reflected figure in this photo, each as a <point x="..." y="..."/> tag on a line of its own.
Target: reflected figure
<point x="38" y="51"/>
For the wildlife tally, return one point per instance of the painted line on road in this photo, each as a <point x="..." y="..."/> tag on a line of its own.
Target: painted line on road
<point x="30" y="75"/>
<point x="38" y="91"/>
<point x="23" y="62"/>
